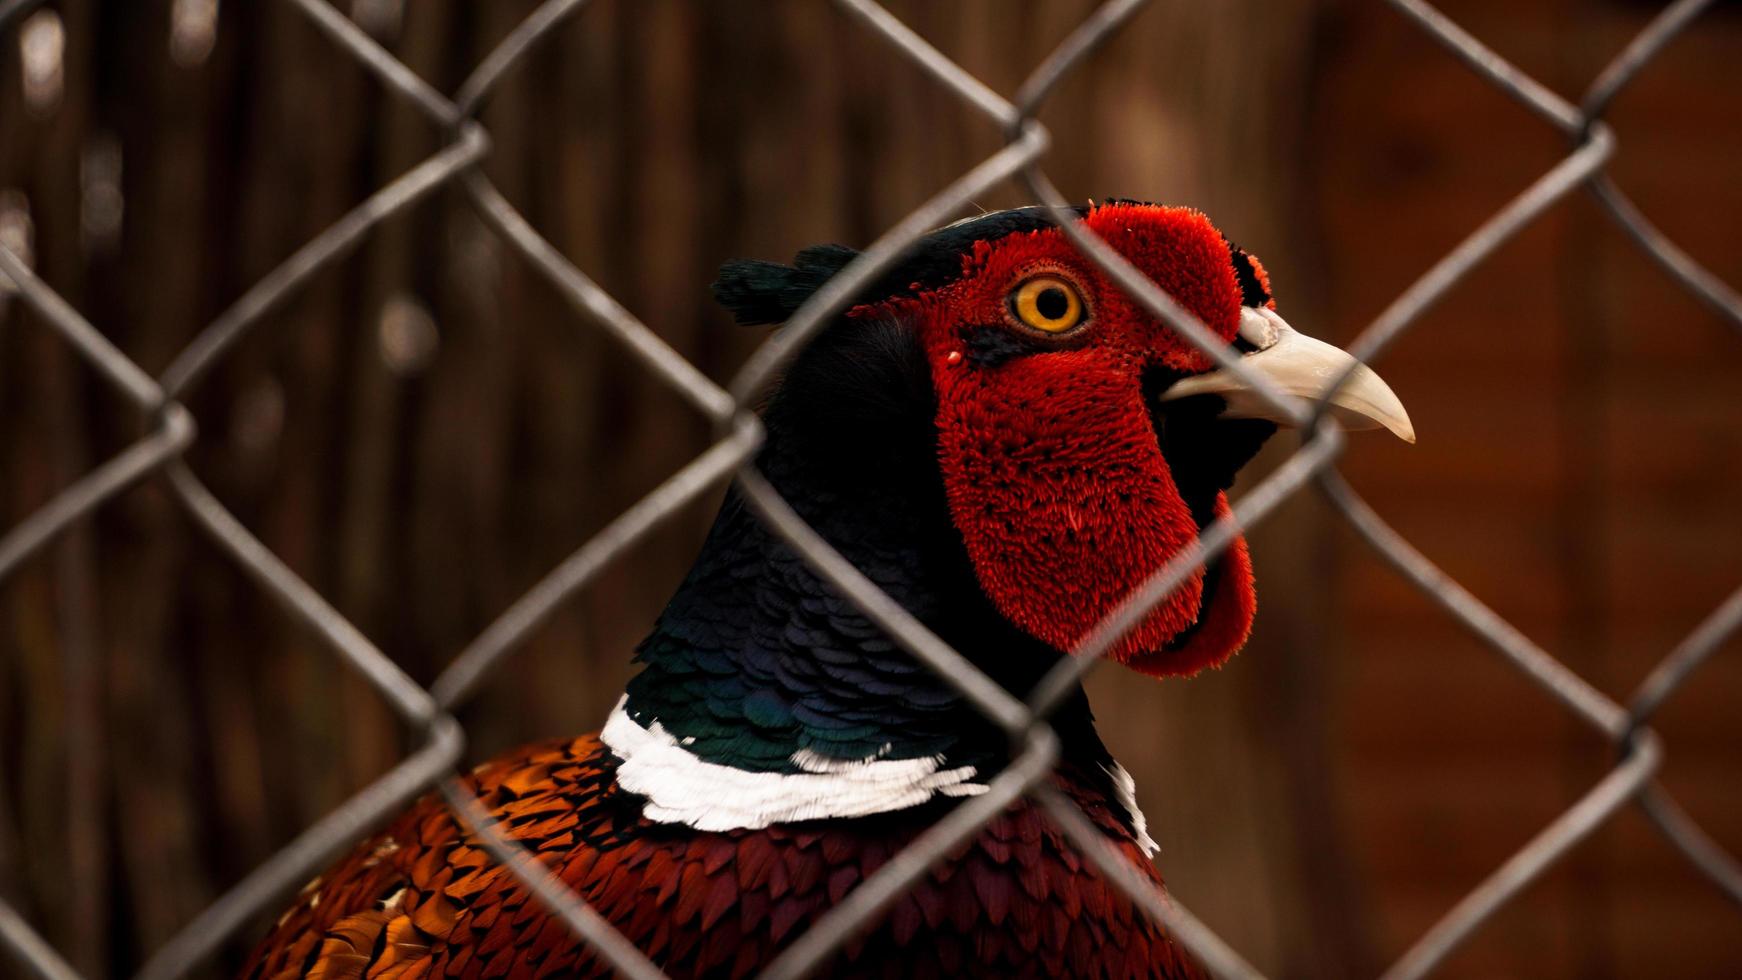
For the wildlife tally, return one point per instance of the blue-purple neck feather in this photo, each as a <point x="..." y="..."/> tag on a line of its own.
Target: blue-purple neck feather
<point x="756" y="658"/>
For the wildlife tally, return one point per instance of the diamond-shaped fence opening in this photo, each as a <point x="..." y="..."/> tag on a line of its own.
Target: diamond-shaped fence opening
<point x="168" y="430"/>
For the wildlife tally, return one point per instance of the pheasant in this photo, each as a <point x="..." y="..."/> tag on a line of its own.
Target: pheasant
<point x="1007" y="444"/>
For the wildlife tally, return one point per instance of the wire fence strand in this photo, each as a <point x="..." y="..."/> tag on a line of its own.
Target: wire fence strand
<point x="170" y="430"/>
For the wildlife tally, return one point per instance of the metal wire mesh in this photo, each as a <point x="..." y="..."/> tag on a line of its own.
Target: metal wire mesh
<point x="170" y="430"/>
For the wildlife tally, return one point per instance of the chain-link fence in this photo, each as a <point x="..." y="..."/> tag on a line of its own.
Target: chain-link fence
<point x="170" y="430"/>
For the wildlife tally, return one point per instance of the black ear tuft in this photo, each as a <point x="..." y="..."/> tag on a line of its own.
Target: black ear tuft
<point x="767" y="292"/>
<point x="830" y="257"/>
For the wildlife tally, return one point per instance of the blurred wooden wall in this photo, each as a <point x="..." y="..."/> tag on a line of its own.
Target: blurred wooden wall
<point x="1579" y="465"/>
<point x="426" y="430"/>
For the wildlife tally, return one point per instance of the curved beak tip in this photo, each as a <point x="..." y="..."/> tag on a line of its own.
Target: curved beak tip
<point x="1376" y="405"/>
<point x="1403" y="429"/>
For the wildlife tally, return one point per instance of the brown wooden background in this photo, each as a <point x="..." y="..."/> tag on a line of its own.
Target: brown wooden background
<point x="163" y="727"/>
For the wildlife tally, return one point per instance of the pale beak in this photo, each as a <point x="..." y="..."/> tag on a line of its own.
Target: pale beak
<point x="1302" y="368"/>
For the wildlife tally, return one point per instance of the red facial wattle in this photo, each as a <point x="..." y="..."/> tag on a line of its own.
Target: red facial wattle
<point x="1050" y="459"/>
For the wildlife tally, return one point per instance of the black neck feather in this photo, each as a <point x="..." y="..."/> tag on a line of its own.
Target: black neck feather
<point x="756" y="658"/>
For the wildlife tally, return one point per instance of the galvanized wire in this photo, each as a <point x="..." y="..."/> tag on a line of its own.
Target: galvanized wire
<point x="170" y="430"/>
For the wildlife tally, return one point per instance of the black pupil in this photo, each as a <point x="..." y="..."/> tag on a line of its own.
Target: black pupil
<point x="1052" y="303"/>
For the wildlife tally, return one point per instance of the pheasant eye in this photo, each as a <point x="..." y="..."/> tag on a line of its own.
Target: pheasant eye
<point x="1047" y="303"/>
